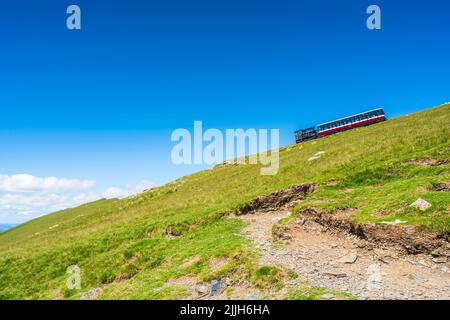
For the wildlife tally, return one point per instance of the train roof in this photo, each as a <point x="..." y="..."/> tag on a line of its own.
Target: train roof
<point x="350" y="116"/>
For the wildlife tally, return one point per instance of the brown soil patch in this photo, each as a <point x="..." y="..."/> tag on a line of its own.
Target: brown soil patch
<point x="93" y="294"/>
<point x="172" y="234"/>
<point x="316" y="253"/>
<point x="186" y="282"/>
<point x="190" y="261"/>
<point x="428" y="162"/>
<point x="370" y="261"/>
<point x="332" y="182"/>
<point x="410" y="239"/>
<point x="276" y="200"/>
<point x="217" y="263"/>
<point x="443" y="187"/>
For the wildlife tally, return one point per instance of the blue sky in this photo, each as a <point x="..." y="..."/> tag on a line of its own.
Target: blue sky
<point x="99" y="104"/>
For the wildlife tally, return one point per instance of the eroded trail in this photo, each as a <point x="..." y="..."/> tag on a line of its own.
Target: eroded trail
<point x="343" y="262"/>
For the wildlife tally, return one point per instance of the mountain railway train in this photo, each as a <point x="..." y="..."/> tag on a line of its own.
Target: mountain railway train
<point x="332" y="127"/>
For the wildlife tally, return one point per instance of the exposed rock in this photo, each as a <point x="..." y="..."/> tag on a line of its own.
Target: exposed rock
<point x="285" y="236"/>
<point x="328" y="296"/>
<point x="443" y="251"/>
<point x="421" y="204"/>
<point x="92" y="294"/>
<point x="316" y="156"/>
<point x="201" y="289"/>
<point x="349" y="258"/>
<point x="312" y="225"/>
<point x="384" y="259"/>
<point x="440" y="260"/>
<point x="215" y="287"/>
<point x="336" y="274"/>
<point x="227" y="282"/>
<point x="396" y="221"/>
<point x="443" y="187"/>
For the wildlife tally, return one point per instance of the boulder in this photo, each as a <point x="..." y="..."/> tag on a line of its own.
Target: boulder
<point x="328" y="296"/>
<point x="215" y="287"/>
<point x="349" y="258"/>
<point x="201" y="289"/>
<point x="421" y="204"/>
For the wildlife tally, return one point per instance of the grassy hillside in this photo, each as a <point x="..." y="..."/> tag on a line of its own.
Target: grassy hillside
<point x="132" y="247"/>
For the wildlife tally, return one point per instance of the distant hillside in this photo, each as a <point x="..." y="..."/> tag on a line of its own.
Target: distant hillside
<point x="133" y="248"/>
<point x="4" y="227"/>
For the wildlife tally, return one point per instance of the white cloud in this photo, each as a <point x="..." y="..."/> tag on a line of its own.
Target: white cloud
<point x="127" y="190"/>
<point x="28" y="183"/>
<point x="24" y="197"/>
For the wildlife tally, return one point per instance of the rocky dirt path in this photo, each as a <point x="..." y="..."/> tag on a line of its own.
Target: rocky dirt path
<point x="343" y="262"/>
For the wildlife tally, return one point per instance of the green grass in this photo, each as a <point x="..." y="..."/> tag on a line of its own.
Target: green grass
<point x="316" y="293"/>
<point x="132" y="247"/>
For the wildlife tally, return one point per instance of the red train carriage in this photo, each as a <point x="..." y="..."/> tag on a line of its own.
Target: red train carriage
<point x="325" y="129"/>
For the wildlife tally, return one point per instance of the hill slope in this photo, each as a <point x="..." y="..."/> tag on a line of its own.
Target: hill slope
<point x="132" y="248"/>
